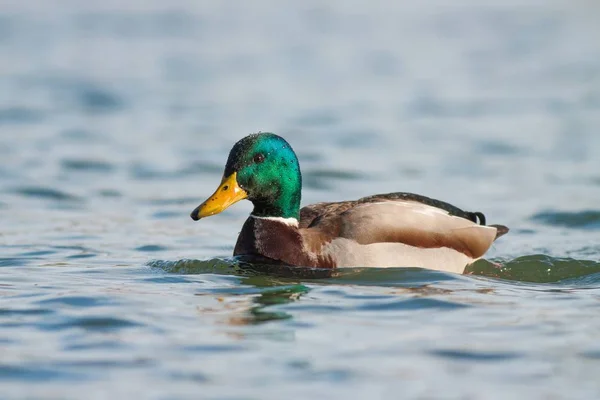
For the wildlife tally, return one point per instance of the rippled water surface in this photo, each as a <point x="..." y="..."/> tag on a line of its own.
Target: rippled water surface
<point x="115" y="122"/>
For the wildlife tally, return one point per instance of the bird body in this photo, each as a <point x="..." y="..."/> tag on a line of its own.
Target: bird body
<point x="386" y="230"/>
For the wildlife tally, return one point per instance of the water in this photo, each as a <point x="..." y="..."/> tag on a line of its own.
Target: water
<point x="116" y="120"/>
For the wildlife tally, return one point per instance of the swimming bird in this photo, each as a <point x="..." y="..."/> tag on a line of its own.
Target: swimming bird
<point x="383" y="230"/>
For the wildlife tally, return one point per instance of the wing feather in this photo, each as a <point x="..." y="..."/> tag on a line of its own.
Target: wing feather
<point x="408" y="222"/>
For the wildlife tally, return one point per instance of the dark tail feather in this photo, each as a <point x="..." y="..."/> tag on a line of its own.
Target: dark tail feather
<point x="480" y="216"/>
<point x="476" y="217"/>
<point x="501" y="230"/>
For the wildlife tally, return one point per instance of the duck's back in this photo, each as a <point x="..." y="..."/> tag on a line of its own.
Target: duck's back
<point x="397" y="229"/>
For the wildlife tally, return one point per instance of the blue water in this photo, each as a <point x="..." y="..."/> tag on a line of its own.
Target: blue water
<point x="115" y="122"/>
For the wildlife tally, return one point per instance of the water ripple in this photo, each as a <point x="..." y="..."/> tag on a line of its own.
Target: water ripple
<point x="38" y="253"/>
<point x="98" y="324"/>
<point x="189" y="376"/>
<point x="478" y="356"/>
<point x="214" y="348"/>
<point x="97" y="100"/>
<point x="77" y="301"/>
<point x="35" y="373"/>
<point x="20" y="115"/>
<point x="150" y="248"/>
<point x="538" y="268"/>
<point x="167" y="279"/>
<point x="46" y="193"/>
<point x="533" y="268"/>
<point x="414" y="304"/>
<point x="14" y="261"/>
<point x="87" y="165"/>
<point x="589" y="219"/>
<point x="237" y="265"/>
<point x="7" y="312"/>
<point x="96" y="345"/>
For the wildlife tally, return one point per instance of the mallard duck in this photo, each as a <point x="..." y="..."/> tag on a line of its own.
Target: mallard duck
<point x="384" y="230"/>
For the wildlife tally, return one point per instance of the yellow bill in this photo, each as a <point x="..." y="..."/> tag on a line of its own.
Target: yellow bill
<point x="227" y="194"/>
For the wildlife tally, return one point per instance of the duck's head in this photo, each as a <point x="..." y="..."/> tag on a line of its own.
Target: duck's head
<point x="264" y="169"/>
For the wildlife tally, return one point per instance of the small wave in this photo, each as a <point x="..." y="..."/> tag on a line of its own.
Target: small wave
<point x="77" y="301"/>
<point x="410" y="304"/>
<point x="34" y="373"/>
<point x="240" y="266"/>
<point x="588" y="219"/>
<point x="14" y="261"/>
<point x="96" y="323"/>
<point x="20" y="115"/>
<point x="150" y="248"/>
<point x="46" y="193"/>
<point x="479" y="356"/>
<point x="188" y="266"/>
<point x="245" y="266"/>
<point x="538" y="268"/>
<point x="96" y="100"/>
<point x="86" y="165"/>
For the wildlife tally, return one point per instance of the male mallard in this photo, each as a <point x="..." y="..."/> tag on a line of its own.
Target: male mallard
<point x="384" y="230"/>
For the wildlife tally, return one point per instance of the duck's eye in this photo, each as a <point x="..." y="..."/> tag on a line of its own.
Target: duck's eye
<point x="258" y="158"/>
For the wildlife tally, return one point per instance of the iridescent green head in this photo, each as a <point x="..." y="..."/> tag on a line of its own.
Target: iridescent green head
<point x="263" y="168"/>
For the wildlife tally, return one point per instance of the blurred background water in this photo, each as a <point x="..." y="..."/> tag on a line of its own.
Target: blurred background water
<point x="115" y="122"/>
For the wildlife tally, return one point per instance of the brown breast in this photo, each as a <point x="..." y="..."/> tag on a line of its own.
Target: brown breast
<point x="282" y="242"/>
